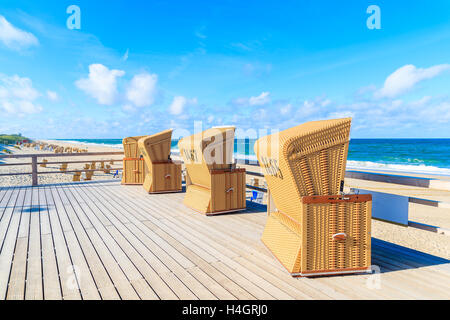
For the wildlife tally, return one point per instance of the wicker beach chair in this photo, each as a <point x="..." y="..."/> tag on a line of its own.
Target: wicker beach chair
<point x="213" y="183"/>
<point x="163" y="175"/>
<point x="63" y="167"/>
<point x="44" y="163"/>
<point x="88" y="175"/>
<point x="134" y="168"/>
<point x="312" y="228"/>
<point x="76" y="176"/>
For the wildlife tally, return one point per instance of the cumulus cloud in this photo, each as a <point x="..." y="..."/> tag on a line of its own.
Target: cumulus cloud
<point x="262" y="99"/>
<point x="15" y="38"/>
<point x="179" y="103"/>
<point x="341" y="114"/>
<point x="286" y="109"/>
<point x="405" y="78"/>
<point x="101" y="83"/>
<point x="17" y="95"/>
<point x="125" y="56"/>
<point x="142" y="89"/>
<point x="52" y="95"/>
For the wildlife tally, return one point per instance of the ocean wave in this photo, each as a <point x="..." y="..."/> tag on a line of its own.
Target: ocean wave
<point x="115" y="146"/>
<point x="351" y="164"/>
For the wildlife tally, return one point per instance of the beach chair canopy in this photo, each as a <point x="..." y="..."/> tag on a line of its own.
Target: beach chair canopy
<point x="130" y="147"/>
<point x="213" y="184"/>
<point x="156" y="148"/>
<point x="208" y="150"/>
<point x="305" y="160"/>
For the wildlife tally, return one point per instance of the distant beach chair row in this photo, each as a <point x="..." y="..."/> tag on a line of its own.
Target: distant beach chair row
<point x="42" y="146"/>
<point x="312" y="228"/>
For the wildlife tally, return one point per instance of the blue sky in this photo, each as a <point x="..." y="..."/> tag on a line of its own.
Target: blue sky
<point x="136" y="68"/>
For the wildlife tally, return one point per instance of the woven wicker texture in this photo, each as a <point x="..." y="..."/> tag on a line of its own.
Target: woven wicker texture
<point x="163" y="175"/>
<point x="321" y="234"/>
<point x="322" y="221"/>
<point x="156" y="148"/>
<point x="308" y="159"/>
<point x="130" y="147"/>
<point x="134" y="171"/>
<point x="212" y="183"/>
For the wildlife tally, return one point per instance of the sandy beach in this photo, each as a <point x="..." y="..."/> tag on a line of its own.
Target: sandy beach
<point x="20" y="180"/>
<point x="424" y="241"/>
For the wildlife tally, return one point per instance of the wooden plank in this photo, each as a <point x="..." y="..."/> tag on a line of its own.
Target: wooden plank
<point x="178" y="231"/>
<point x="34" y="290"/>
<point x="69" y="286"/>
<point x="11" y="215"/>
<point x="17" y="279"/>
<point x="126" y="258"/>
<point x="16" y="286"/>
<point x="146" y="271"/>
<point x="101" y="277"/>
<point x="155" y="256"/>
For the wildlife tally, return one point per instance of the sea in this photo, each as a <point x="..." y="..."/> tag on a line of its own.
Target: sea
<point x="426" y="156"/>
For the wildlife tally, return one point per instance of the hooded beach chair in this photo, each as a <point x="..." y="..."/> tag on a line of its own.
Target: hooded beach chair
<point x="213" y="183"/>
<point x="134" y="168"/>
<point x="312" y="228"/>
<point x="163" y="174"/>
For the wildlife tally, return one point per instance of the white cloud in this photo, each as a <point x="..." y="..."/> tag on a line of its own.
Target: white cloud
<point x="52" y="95"/>
<point x="262" y="99"/>
<point x="341" y="114"/>
<point x="125" y="56"/>
<point x="406" y="77"/>
<point x="101" y="83"/>
<point x="286" y="109"/>
<point x="421" y="102"/>
<point x="325" y="102"/>
<point x="14" y="38"/>
<point x="142" y="89"/>
<point x="179" y="103"/>
<point x="17" y="95"/>
<point x="128" y="107"/>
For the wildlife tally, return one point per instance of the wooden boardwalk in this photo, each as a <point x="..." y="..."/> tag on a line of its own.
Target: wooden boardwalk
<point x="107" y="241"/>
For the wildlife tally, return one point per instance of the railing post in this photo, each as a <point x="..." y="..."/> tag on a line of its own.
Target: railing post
<point x="34" y="174"/>
<point x="246" y="150"/>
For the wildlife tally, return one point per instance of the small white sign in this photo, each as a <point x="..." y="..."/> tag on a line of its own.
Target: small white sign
<point x="388" y="207"/>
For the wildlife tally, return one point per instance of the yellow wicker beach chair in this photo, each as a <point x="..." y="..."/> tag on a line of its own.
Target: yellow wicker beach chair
<point x="312" y="229"/>
<point x="63" y="167"/>
<point x="134" y="168"/>
<point x="163" y="175"/>
<point x="44" y="163"/>
<point x="88" y="175"/>
<point x="76" y="176"/>
<point x="213" y="183"/>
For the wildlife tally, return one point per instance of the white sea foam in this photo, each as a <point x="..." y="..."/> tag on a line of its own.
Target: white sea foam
<point x="115" y="146"/>
<point x="397" y="167"/>
<point x="351" y="164"/>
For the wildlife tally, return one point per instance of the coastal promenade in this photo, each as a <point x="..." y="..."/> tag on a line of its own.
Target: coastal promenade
<point x="102" y="240"/>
